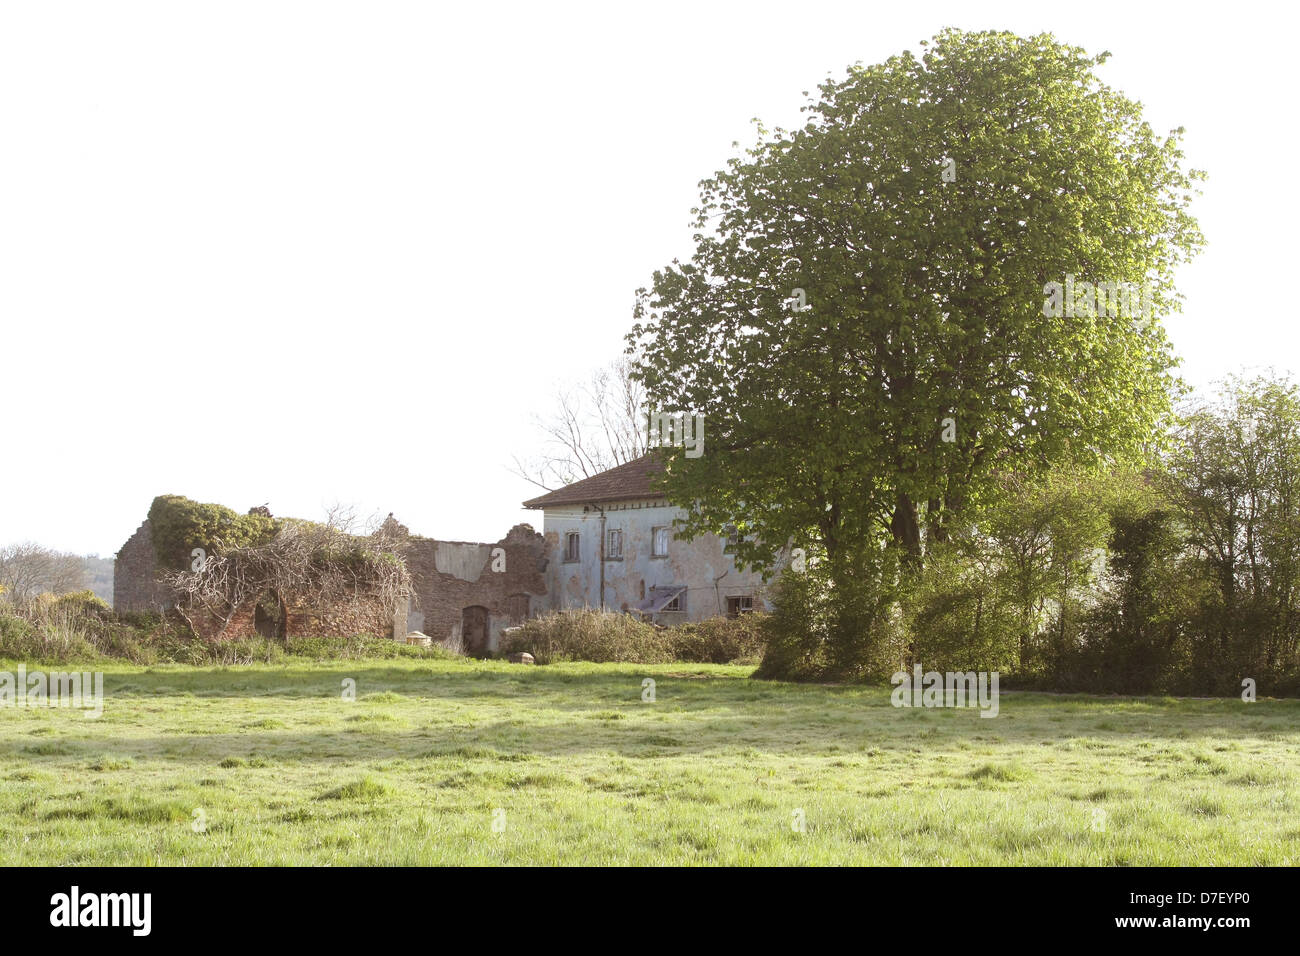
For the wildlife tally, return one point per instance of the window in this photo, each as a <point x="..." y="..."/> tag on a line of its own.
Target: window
<point x="659" y="544"/>
<point x="571" y="551"/>
<point x="734" y="538"/>
<point x="741" y="604"/>
<point x="614" y="548"/>
<point x="676" y="604"/>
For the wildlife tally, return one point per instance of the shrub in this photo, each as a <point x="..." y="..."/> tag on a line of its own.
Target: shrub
<point x="720" y="640"/>
<point x="608" y="637"/>
<point x="589" y="635"/>
<point x="795" y="633"/>
<point x="836" y="620"/>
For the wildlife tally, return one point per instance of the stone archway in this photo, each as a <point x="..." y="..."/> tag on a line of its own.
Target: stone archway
<point x="270" y="619"/>
<point x="475" y="630"/>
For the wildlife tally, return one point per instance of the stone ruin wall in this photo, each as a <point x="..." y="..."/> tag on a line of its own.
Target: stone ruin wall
<point x="359" y="616"/>
<point x="447" y="577"/>
<point x="135" y="576"/>
<point x="450" y="576"/>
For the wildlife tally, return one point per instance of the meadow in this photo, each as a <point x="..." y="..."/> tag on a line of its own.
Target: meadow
<point x="472" y="762"/>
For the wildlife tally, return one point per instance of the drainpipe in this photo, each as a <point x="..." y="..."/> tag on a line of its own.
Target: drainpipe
<point x="717" y="592"/>
<point x="602" y="558"/>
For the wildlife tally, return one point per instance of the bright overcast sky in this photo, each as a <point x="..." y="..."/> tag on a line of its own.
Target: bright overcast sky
<point x="306" y="253"/>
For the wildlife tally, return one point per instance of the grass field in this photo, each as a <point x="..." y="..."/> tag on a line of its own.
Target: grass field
<point x="573" y="767"/>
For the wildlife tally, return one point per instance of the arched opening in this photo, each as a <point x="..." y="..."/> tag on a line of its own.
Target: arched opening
<point x="269" y="616"/>
<point x="474" y="631"/>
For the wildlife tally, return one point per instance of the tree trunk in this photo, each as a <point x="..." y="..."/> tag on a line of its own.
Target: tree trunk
<point x="906" y="529"/>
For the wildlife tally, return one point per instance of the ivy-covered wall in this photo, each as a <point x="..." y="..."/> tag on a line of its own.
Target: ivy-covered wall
<point x="503" y="592"/>
<point x="178" y="525"/>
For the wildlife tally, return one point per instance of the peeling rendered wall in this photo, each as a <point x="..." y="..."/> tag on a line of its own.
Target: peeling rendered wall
<point x="702" y="565"/>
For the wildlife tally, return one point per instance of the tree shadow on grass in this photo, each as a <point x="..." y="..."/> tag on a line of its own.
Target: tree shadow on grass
<point x="445" y="718"/>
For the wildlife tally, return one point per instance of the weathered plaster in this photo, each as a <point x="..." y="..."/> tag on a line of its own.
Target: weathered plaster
<point x="702" y="565"/>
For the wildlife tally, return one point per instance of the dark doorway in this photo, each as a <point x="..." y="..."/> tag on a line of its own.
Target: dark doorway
<point x="269" y="616"/>
<point x="474" y="631"/>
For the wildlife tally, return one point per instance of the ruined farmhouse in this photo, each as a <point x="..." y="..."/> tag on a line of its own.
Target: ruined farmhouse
<point x="607" y="542"/>
<point x="461" y="594"/>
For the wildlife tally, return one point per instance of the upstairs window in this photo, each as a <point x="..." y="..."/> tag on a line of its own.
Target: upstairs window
<point x="659" y="543"/>
<point x="571" y="546"/>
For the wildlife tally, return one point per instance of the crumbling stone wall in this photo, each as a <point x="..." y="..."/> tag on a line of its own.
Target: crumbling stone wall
<point x="450" y="576"/>
<point x="361" y="615"/>
<point x="137" y="587"/>
<point x="135" y="575"/>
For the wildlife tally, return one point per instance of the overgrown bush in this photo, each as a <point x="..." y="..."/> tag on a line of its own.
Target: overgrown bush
<point x="720" y="640"/>
<point x="796" y="633"/>
<point x="80" y="628"/>
<point x="606" y="636"/>
<point x="178" y="525"/>
<point x="589" y="635"/>
<point x="836" y="620"/>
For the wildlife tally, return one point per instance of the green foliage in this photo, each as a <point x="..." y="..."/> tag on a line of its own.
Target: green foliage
<point x="604" y="636"/>
<point x="961" y="613"/>
<point x="797" y="630"/>
<point x="179" y="525"/>
<point x="1179" y="578"/>
<point x="587" y="634"/>
<point x="79" y="627"/>
<point x="925" y="298"/>
<point x="836" y="620"/>
<point x="81" y="603"/>
<point x="720" y="640"/>
<point x="1235" y="478"/>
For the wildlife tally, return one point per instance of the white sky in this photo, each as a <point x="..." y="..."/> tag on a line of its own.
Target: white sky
<point x="302" y="253"/>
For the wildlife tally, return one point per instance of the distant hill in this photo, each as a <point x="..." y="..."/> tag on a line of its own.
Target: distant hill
<point x="99" y="576"/>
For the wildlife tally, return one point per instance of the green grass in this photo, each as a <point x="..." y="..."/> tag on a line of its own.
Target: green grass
<point x="572" y="767"/>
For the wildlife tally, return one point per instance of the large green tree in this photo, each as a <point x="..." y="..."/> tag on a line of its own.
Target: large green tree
<point x="921" y="211"/>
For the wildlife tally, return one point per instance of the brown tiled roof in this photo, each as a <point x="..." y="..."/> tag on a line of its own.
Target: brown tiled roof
<point x="620" y="483"/>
